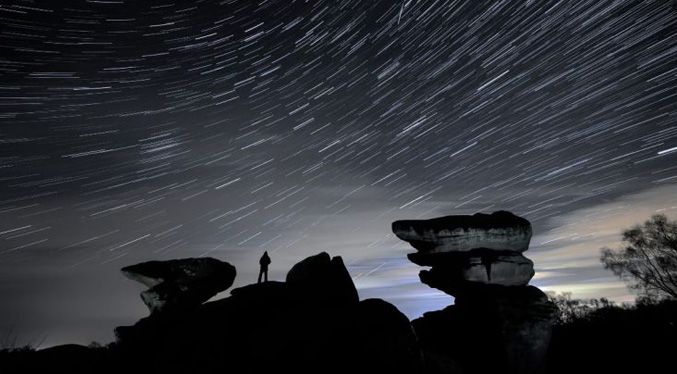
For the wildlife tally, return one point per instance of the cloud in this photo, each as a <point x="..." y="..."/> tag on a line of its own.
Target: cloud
<point x="567" y="257"/>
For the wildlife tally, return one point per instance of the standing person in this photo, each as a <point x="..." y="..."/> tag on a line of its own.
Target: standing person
<point x="264" y="262"/>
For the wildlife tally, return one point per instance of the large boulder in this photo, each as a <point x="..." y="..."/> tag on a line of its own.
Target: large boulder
<point x="498" y="231"/>
<point x="179" y="285"/>
<point x="321" y="277"/>
<point x="493" y="329"/>
<point x="384" y="340"/>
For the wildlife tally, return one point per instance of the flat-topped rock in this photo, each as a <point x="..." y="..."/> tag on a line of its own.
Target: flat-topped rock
<point x="500" y="230"/>
<point x="180" y="284"/>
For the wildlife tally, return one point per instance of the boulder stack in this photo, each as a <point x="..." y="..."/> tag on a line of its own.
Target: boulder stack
<point x="498" y="321"/>
<point x="468" y="250"/>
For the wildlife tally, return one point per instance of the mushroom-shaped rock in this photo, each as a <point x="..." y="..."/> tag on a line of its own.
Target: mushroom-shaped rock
<point x="323" y="278"/>
<point x="478" y="260"/>
<point x="177" y="285"/>
<point x="500" y="230"/>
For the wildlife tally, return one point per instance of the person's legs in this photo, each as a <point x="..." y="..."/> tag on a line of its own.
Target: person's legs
<point x="265" y="274"/>
<point x="260" y="274"/>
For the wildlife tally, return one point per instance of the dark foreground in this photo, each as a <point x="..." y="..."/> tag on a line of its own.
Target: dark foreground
<point x="304" y="328"/>
<point x="270" y="327"/>
<point x="314" y="322"/>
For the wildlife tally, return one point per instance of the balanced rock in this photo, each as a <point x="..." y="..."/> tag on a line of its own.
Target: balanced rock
<point x="180" y="284"/>
<point x="478" y="260"/>
<point x="323" y="277"/>
<point x="499" y="231"/>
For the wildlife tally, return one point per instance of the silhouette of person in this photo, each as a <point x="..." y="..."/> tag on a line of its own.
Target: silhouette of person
<point x="264" y="262"/>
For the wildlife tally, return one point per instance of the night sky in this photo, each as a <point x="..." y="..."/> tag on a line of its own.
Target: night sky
<point x="139" y="130"/>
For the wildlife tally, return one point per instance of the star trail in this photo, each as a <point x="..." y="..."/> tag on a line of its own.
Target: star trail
<point x="133" y="130"/>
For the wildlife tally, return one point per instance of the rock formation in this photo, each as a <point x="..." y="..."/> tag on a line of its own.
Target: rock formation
<point x="324" y="278"/>
<point x="180" y="284"/>
<point x="313" y="322"/>
<point x="498" y="321"/>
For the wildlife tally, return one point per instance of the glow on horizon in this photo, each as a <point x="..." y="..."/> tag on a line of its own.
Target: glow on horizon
<point x="566" y="259"/>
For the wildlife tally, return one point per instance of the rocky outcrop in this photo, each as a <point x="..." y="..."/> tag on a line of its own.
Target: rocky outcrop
<point x="323" y="278"/>
<point x="499" y="329"/>
<point x="178" y="285"/>
<point x="385" y="339"/>
<point x="498" y="322"/>
<point x="279" y="327"/>
<point x="314" y="321"/>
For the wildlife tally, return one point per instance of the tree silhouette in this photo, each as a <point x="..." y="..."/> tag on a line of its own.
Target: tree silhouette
<point x="649" y="261"/>
<point x="574" y="310"/>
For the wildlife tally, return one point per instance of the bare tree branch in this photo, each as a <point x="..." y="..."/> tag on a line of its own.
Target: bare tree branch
<point x="649" y="261"/>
